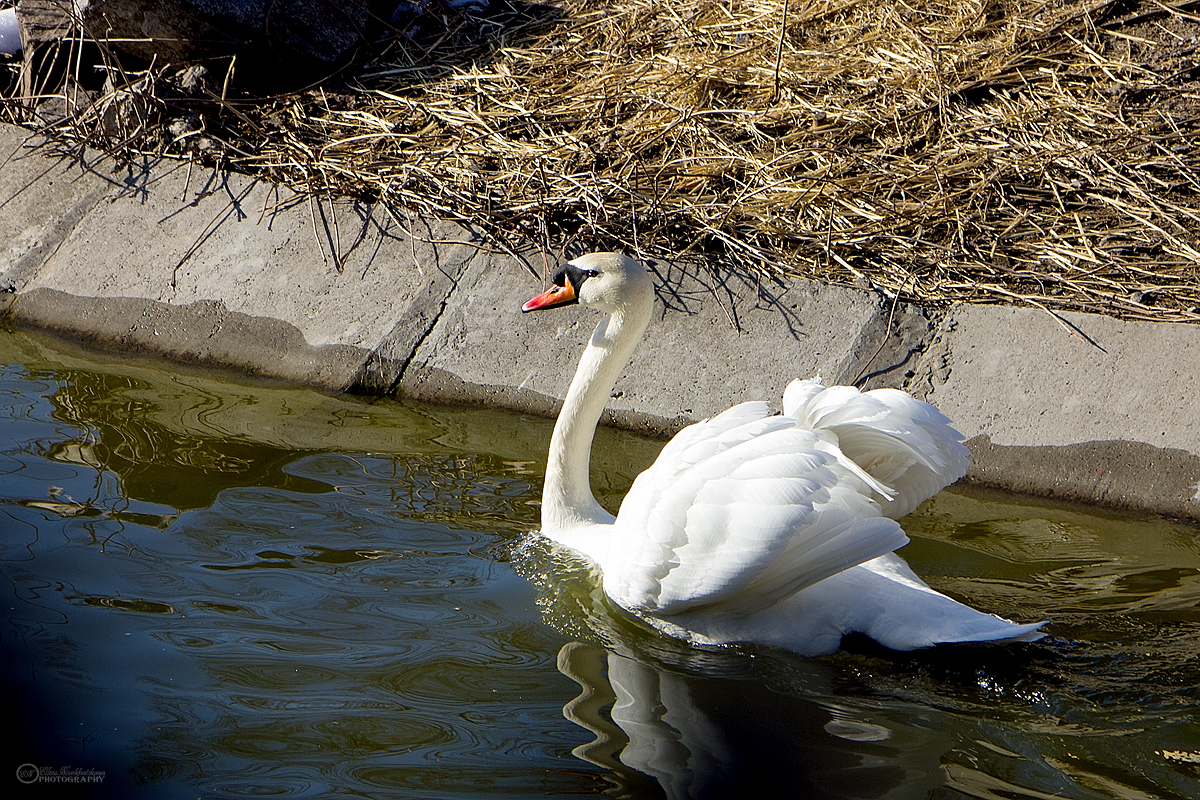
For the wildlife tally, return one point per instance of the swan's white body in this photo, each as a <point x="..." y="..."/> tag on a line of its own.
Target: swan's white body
<point x="752" y="527"/>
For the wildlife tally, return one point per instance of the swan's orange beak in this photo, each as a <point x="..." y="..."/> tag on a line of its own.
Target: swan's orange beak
<point x="554" y="296"/>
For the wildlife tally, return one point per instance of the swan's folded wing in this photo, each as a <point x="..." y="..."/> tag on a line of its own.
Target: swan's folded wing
<point x="739" y="516"/>
<point x="703" y="439"/>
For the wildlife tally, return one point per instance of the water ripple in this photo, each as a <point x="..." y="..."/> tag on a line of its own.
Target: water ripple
<point x="249" y="591"/>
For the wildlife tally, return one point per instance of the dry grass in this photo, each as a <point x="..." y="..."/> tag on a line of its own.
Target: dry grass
<point x="1037" y="152"/>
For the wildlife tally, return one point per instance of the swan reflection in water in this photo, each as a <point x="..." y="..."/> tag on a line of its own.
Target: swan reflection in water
<point x="666" y="718"/>
<point x="703" y="737"/>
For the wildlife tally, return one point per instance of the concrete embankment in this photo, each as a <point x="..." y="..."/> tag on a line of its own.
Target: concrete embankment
<point x="218" y="269"/>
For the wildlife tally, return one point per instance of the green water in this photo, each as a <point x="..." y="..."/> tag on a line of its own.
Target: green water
<point x="217" y="589"/>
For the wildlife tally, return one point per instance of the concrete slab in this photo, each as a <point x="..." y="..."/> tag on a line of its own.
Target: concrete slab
<point x="41" y="201"/>
<point x="340" y="277"/>
<point x="1020" y="377"/>
<point x="708" y="347"/>
<point x="1099" y="409"/>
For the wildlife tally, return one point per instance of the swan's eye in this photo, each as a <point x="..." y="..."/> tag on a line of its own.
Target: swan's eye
<point x="575" y="275"/>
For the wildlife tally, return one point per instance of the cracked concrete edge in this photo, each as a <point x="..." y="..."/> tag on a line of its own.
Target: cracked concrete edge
<point x="889" y="346"/>
<point x="383" y="369"/>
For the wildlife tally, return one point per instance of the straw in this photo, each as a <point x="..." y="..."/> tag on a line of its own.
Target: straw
<point x="1041" y="153"/>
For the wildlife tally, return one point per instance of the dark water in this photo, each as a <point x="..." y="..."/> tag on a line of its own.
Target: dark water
<point x="214" y="589"/>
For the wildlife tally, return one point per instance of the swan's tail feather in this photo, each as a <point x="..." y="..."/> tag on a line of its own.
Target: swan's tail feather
<point x="917" y="616"/>
<point x="962" y="627"/>
<point x="928" y="619"/>
<point x="881" y="599"/>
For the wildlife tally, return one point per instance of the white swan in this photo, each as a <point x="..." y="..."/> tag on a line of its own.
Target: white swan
<point x="752" y="527"/>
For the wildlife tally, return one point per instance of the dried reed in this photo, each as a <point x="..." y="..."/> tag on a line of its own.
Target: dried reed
<point x="955" y="150"/>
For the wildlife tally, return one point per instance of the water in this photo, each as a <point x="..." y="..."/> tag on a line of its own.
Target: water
<point x="219" y="589"/>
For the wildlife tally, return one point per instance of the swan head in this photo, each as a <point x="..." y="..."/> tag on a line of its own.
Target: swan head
<point x="608" y="282"/>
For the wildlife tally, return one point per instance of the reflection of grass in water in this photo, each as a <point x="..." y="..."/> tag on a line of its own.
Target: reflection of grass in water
<point x="124" y="423"/>
<point x="1044" y="558"/>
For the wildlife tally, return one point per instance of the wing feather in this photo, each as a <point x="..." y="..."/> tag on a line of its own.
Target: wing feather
<point x="738" y="513"/>
<point x="901" y="442"/>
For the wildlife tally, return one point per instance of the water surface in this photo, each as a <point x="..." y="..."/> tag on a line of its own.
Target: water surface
<point x="223" y="589"/>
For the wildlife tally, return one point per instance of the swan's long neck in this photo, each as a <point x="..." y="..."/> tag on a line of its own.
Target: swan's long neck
<point x="567" y="500"/>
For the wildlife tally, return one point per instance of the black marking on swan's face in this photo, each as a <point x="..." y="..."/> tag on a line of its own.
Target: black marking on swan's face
<point x="576" y="275"/>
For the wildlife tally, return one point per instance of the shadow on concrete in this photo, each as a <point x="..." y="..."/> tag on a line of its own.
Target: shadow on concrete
<point x="683" y="285"/>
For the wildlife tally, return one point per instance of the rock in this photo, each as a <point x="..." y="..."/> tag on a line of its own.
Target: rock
<point x="182" y="127"/>
<point x="277" y="42"/>
<point x="127" y="112"/>
<point x="194" y="81"/>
